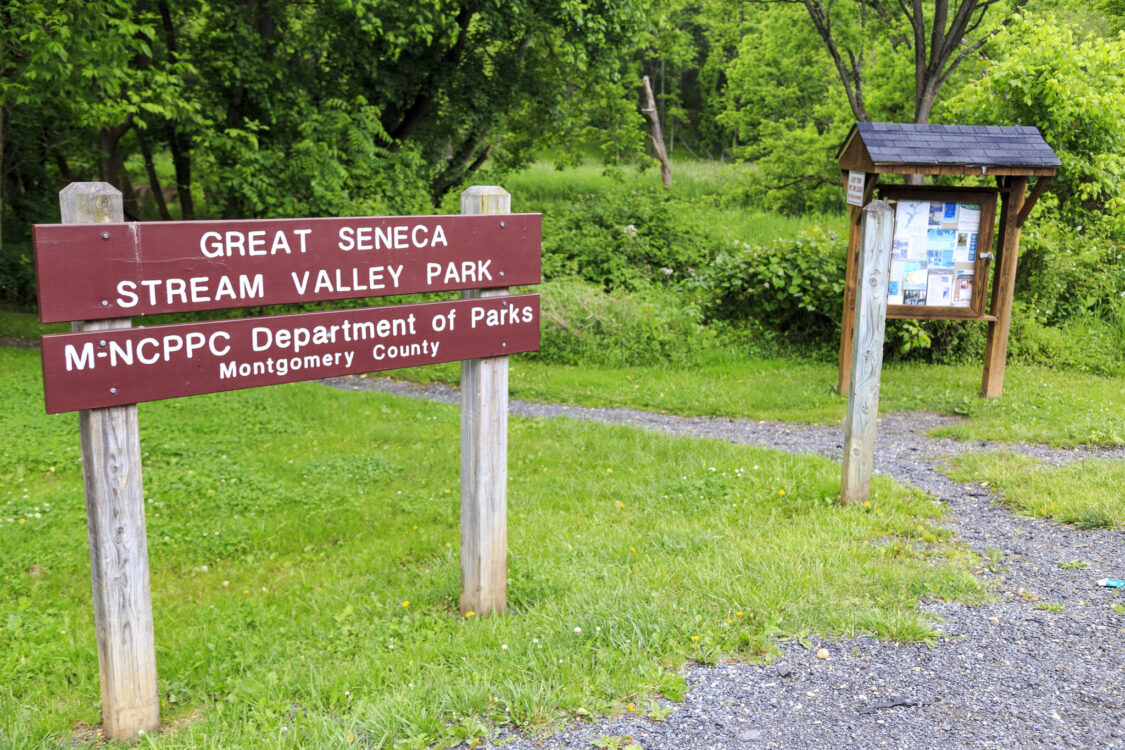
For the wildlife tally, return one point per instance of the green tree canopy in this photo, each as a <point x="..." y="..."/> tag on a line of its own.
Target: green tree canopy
<point x="1072" y="87"/>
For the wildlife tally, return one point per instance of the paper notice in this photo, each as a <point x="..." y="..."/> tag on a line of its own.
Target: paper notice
<point x="939" y="290"/>
<point x="912" y="219"/>
<point x="969" y="218"/>
<point x="913" y="275"/>
<point x="894" y="283"/>
<point x="963" y="289"/>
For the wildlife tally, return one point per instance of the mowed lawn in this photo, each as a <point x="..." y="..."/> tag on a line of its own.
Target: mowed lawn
<point x="305" y="577"/>
<point x="1039" y="405"/>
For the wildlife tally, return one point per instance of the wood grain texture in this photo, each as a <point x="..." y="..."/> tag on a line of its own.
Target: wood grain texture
<point x="847" y="320"/>
<point x="1032" y="199"/>
<point x="115" y="519"/>
<point x="484" y="454"/>
<point x="1003" y="287"/>
<point x="871" y="182"/>
<point x="853" y="155"/>
<point x="867" y="351"/>
<point x="919" y="312"/>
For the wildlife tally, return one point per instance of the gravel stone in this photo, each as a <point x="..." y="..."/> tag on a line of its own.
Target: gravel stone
<point x="1008" y="673"/>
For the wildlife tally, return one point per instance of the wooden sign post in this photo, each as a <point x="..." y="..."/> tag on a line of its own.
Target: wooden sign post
<point x="484" y="453"/>
<point x="115" y="519"/>
<point x="94" y="265"/>
<point x="867" y="351"/>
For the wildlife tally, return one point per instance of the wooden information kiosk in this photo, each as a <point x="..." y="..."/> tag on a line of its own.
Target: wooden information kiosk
<point x="944" y="245"/>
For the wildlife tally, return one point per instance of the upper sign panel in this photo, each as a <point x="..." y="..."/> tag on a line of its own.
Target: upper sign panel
<point x="96" y="271"/>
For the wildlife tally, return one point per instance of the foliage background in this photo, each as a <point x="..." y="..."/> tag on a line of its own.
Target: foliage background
<point x="211" y="108"/>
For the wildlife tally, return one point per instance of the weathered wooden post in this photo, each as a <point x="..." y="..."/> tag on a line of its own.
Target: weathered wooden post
<point x="115" y="518"/>
<point x="484" y="452"/>
<point x="1012" y="217"/>
<point x="877" y="232"/>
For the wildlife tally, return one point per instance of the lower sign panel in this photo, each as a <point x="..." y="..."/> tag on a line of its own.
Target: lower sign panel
<point x="130" y="365"/>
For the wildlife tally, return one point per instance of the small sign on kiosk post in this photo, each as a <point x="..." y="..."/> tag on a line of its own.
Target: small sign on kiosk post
<point x="855" y="188"/>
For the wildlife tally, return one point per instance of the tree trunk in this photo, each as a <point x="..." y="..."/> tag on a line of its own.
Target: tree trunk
<point x="657" y="136"/>
<point x="153" y="178"/>
<point x="129" y="201"/>
<point x="181" y="162"/>
<point x="63" y="165"/>
<point x="177" y="142"/>
<point x="461" y="163"/>
<point x="423" y="101"/>
<point x="109" y="159"/>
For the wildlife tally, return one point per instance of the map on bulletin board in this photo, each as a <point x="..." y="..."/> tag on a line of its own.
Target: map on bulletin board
<point x="934" y="253"/>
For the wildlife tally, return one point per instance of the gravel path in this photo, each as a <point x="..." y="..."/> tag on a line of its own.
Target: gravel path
<point x="1012" y="673"/>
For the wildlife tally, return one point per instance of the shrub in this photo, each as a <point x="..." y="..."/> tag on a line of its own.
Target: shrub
<point x="795" y="171"/>
<point x="626" y="239"/>
<point x="17" y="275"/>
<point x="935" y="341"/>
<point x="583" y="323"/>
<point x="792" y="285"/>
<point x="1093" y="344"/>
<point x="795" y="288"/>
<point x="1066" y="273"/>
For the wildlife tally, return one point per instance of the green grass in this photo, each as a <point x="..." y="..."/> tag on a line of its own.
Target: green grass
<point x="706" y="185"/>
<point x="26" y="327"/>
<point x="1084" y="493"/>
<point x="304" y="557"/>
<point x="1038" y="405"/>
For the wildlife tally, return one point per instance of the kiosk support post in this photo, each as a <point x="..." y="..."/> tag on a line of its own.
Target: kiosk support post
<point x="1003" y="288"/>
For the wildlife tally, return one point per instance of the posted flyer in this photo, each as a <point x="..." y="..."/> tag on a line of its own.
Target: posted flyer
<point x="934" y="253"/>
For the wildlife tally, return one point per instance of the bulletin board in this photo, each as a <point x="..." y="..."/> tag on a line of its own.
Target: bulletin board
<point x="942" y="252"/>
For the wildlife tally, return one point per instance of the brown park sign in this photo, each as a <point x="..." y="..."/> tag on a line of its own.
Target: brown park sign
<point x="129" y="365"/>
<point x="104" y="275"/>
<point x="98" y="271"/>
